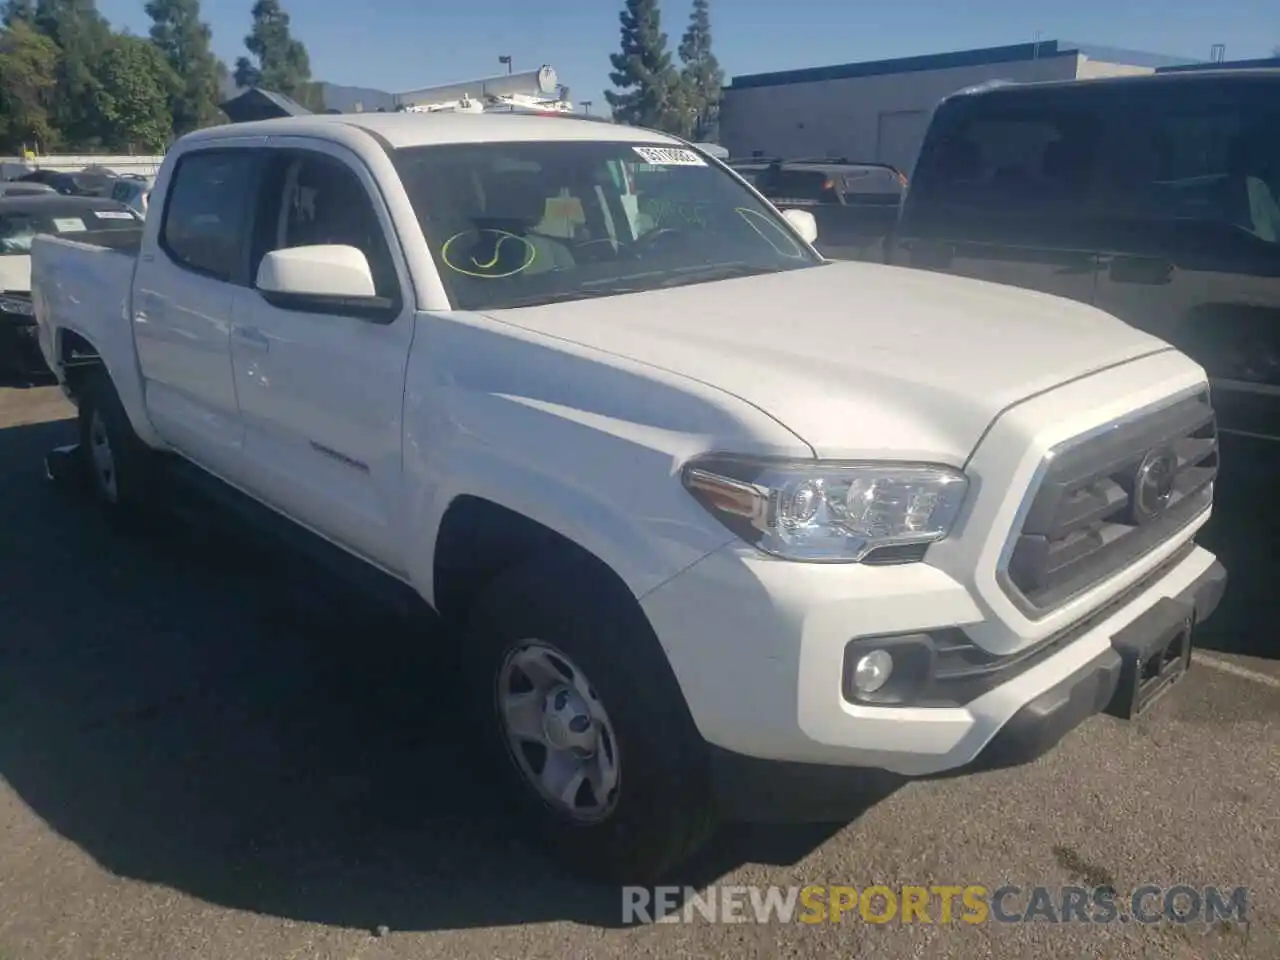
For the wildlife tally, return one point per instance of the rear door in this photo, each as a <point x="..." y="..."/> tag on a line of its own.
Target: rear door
<point x="1003" y="191"/>
<point x="321" y="393"/>
<point x="1192" y="245"/>
<point x="184" y="294"/>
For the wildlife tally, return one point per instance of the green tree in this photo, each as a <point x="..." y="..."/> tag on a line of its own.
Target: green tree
<point x="280" y="63"/>
<point x="700" y="74"/>
<point x="184" y="39"/>
<point x="136" y="87"/>
<point x="82" y="35"/>
<point x="648" y="93"/>
<point x="28" y="78"/>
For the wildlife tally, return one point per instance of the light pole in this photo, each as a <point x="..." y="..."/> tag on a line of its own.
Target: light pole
<point x="507" y="61"/>
<point x="586" y="107"/>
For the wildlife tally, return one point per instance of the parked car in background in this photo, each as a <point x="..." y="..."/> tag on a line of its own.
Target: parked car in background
<point x="705" y="510"/>
<point x="855" y="204"/>
<point x="134" y="192"/>
<point x="1157" y="198"/>
<point x="64" y="183"/>
<point x="96" y="180"/>
<point x="26" y="190"/>
<point x="22" y="218"/>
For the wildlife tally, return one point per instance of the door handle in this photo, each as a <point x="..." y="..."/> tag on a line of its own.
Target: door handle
<point x="253" y="338"/>
<point x="1149" y="271"/>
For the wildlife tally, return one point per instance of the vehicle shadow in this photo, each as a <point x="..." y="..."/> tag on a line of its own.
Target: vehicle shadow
<point x="1244" y="532"/>
<point x="197" y="709"/>
<point x="25" y="379"/>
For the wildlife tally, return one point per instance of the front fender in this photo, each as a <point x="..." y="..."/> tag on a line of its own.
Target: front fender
<point x="620" y="502"/>
<point x="587" y="444"/>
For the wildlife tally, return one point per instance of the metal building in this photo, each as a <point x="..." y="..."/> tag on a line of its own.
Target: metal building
<point x="879" y="110"/>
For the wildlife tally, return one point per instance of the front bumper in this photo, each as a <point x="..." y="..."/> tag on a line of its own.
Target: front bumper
<point x="748" y="788"/>
<point x="761" y="668"/>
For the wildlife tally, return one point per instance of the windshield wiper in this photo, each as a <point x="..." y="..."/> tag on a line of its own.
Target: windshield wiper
<point x="541" y="299"/>
<point x="714" y="271"/>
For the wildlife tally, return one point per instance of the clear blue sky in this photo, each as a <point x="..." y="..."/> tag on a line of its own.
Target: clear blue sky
<point x="401" y="44"/>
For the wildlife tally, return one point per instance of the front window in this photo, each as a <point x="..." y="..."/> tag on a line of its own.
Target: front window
<point x="520" y="224"/>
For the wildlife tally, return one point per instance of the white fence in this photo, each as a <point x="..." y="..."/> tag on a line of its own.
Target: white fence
<point x="72" y="163"/>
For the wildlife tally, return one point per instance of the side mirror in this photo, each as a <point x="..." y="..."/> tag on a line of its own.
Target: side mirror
<point x="327" y="270"/>
<point x="803" y="222"/>
<point x="324" y="278"/>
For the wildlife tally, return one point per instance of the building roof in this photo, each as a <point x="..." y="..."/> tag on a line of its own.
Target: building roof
<point x="1260" y="63"/>
<point x="1017" y="53"/>
<point x="258" y="104"/>
<point x="421" y="129"/>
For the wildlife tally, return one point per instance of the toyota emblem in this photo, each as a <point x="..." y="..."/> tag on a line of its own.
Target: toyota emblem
<point x="1153" y="484"/>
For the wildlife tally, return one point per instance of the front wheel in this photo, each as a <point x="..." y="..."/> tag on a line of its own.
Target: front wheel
<point x="595" y="754"/>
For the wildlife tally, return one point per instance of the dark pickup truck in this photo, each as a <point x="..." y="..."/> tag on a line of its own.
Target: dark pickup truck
<point x="1155" y="198"/>
<point x="855" y="204"/>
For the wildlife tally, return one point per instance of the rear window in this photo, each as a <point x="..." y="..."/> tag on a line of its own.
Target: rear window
<point x="19" y="228"/>
<point x="871" y="181"/>
<point x="809" y="185"/>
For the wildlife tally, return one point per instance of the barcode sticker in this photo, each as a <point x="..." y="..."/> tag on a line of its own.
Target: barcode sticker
<point x="68" y="224"/>
<point x="114" y="215"/>
<point x="670" y="156"/>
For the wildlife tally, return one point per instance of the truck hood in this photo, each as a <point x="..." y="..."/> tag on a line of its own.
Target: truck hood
<point x="858" y="360"/>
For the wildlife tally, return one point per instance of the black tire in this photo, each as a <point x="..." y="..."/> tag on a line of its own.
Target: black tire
<point x="129" y="496"/>
<point x="664" y="810"/>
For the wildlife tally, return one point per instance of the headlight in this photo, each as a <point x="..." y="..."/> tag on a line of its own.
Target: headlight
<point x="833" y="512"/>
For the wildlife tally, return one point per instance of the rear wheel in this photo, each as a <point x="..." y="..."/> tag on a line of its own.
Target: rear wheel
<point x="595" y="754"/>
<point x="119" y="466"/>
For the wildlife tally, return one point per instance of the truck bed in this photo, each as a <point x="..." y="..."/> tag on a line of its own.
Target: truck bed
<point x="127" y="240"/>
<point x="85" y="286"/>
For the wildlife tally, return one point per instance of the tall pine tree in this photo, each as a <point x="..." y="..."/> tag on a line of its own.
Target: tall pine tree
<point x="700" y="73"/>
<point x="648" y="84"/>
<point x="280" y="63"/>
<point x="184" y="39"/>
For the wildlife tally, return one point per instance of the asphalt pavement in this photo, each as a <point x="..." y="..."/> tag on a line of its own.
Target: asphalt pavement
<point x="209" y="749"/>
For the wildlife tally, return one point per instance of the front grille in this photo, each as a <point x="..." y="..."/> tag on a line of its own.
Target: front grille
<point x="1105" y="501"/>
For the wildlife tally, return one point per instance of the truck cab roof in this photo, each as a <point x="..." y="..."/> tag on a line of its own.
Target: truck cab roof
<point x="1003" y="88"/>
<point x="400" y="130"/>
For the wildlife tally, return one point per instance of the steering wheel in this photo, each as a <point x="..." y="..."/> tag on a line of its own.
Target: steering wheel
<point x="597" y="250"/>
<point x="658" y="237"/>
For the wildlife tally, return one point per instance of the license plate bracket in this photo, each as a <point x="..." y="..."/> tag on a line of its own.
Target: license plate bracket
<point x="1155" y="653"/>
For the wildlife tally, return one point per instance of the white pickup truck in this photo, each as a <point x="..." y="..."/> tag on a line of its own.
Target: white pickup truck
<point x="702" y="507"/>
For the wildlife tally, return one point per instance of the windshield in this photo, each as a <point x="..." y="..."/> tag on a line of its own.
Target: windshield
<point x="519" y="224"/>
<point x="19" y="228"/>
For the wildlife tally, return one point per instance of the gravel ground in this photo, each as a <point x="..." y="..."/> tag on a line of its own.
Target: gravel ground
<point x="209" y="750"/>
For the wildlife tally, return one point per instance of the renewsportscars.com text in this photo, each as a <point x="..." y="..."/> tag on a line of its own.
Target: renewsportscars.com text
<point x="936" y="904"/>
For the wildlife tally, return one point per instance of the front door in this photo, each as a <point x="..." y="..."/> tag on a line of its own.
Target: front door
<point x="321" y="394"/>
<point x="183" y="299"/>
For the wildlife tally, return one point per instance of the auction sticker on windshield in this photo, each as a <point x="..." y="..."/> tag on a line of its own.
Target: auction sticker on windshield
<point x="68" y="224"/>
<point x="670" y="157"/>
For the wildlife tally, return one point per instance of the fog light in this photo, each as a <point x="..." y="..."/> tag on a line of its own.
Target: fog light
<point x="872" y="672"/>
